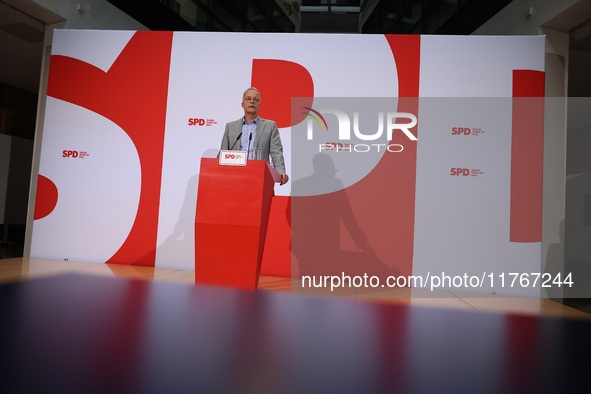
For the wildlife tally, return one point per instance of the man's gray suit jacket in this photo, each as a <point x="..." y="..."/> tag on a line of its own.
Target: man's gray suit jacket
<point x="267" y="140"/>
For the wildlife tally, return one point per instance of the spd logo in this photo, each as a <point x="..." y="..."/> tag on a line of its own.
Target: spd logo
<point x="74" y="154"/>
<point x="201" y="122"/>
<point x="458" y="171"/>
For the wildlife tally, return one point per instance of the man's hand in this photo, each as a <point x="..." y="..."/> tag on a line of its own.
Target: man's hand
<point x="284" y="179"/>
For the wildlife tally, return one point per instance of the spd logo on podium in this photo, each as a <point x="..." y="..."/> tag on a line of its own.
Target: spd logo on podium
<point x="233" y="158"/>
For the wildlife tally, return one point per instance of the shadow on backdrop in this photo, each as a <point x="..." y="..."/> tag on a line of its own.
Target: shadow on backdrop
<point x="327" y="239"/>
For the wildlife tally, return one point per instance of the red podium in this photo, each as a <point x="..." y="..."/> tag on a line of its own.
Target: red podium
<point x="233" y="204"/>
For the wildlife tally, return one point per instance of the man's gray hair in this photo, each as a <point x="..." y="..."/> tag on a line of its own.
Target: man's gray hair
<point x="254" y="90"/>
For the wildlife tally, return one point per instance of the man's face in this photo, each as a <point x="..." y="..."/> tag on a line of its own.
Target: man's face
<point x="251" y="102"/>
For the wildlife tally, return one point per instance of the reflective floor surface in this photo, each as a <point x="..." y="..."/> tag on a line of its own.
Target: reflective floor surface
<point x="18" y="269"/>
<point x="74" y="328"/>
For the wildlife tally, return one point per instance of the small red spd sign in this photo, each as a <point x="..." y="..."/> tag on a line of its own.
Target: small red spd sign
<point x="201" y="122"/>
<point x="74" y="154"/>
<point x="459" y="171"/>
<point x="70" y="153"/>
<point x="233" y="158"/>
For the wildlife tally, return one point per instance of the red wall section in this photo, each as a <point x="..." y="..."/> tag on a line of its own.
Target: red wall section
<point x="527" y="156"/>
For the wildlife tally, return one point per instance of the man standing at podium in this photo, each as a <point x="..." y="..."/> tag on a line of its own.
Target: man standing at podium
<point x="254" y="132"/>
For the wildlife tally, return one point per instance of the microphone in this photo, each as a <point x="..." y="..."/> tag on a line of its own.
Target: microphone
<point x="249" y="139"/>
<point x="237" y="138"/>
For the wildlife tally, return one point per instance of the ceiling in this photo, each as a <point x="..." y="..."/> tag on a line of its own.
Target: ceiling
<point x="21" y="45"/>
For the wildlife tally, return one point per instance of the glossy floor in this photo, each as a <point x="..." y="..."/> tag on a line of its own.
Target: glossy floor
<point x="18" y="268"/>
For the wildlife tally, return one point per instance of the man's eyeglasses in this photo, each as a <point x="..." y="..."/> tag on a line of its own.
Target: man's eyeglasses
<point x="252" y="99"/>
